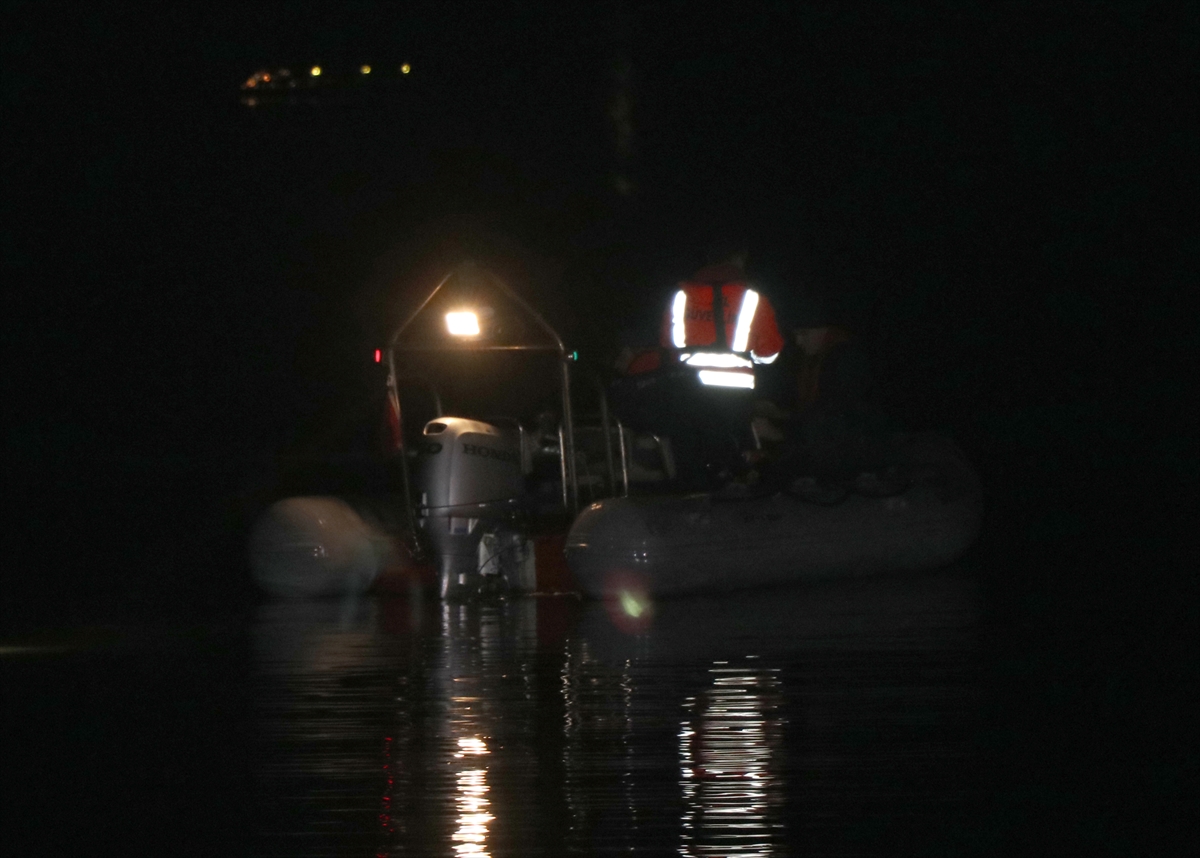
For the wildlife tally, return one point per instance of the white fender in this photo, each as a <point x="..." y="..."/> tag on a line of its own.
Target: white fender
<point x="316" y="546"/>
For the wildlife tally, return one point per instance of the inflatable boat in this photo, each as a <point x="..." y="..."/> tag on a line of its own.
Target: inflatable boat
<point x="520" y="480"/>
<point x="669" y="545"/>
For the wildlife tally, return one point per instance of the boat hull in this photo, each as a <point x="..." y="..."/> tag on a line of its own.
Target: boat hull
<point x="663" y="546"/>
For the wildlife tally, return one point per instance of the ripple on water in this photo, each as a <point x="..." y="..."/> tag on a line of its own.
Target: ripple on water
<point x="830" y="718"/>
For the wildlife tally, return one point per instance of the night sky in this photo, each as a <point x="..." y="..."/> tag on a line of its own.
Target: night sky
<point x="996" y="199"/>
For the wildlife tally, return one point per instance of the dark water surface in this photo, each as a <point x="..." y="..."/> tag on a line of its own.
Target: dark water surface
<point x="841" y="718"/>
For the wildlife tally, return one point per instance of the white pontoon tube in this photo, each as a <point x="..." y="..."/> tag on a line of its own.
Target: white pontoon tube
<point x="668" y="545"/>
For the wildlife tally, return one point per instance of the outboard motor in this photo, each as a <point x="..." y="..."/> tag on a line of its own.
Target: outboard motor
<point x="469" y="481"/>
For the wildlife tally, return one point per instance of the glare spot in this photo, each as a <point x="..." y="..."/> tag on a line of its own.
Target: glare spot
<point x="462" y="324"/>
<point x="405" y="69"/>
<point x="631" y="604"/>
<point x="315" y="71"/>
<point x="365" y="69"/>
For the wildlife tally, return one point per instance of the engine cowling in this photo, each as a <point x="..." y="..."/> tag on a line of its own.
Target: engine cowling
<point x="469" y="483"/>
<point x="465" y="463"/>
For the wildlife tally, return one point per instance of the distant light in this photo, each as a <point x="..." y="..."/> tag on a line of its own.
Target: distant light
<point x="722" y="378"/>
<point x="378" y="355"/>
<point x="315" y="71"/>
<point x="463" y="324"/>
<point x="405" y="69"/>
<point x="365" y="69"/>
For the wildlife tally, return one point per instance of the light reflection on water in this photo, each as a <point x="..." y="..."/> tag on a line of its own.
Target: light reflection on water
<point x="471" y="836"/>
<point x="730" y="775"/>
<point x="832" y="718"/>
<point x="470" y="800"/>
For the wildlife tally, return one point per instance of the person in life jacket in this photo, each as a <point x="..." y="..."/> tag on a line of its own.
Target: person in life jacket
<point x="831" y="372"/>
<point x="696" y="387"/>
<point x="721" y="325"/>
<point x="724" y="355"/>
<point x="839" y="424"/>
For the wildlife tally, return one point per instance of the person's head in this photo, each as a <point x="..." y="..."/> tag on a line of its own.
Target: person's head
<point x="809" y="310"/>
<point x="811" y="339"/>
<point x="726" y="252"/>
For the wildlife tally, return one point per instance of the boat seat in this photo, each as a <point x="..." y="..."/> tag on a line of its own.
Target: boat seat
<point x="650" y="459"/>
<point x="591" y="463"/>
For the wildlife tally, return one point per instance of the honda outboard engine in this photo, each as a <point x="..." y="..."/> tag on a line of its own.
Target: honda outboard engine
<point x="469" y="482"/>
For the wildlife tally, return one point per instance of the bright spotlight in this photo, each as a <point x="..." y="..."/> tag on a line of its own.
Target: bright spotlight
<point x="315" y="71"/>
<point x="463" y="324"/>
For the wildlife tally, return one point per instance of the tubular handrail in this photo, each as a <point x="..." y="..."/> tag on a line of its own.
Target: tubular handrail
<point x="624" y="456"/>
<point x="605" y="425"/>
<point x="567" y="429"/>
<point x="503" y="287"/>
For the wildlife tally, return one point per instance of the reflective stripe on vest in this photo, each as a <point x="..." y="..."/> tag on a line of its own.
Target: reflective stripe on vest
<point x="678" y="325"/>
<point x="741" y="331"/>
<point x="725" y="378"/>
<point x="726" y="360"/>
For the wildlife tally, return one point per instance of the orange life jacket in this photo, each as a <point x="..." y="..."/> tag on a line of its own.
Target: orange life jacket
<point x="749" y="320"/>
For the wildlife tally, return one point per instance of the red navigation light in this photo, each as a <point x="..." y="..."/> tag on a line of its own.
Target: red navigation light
<point x="378" y="355"/>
